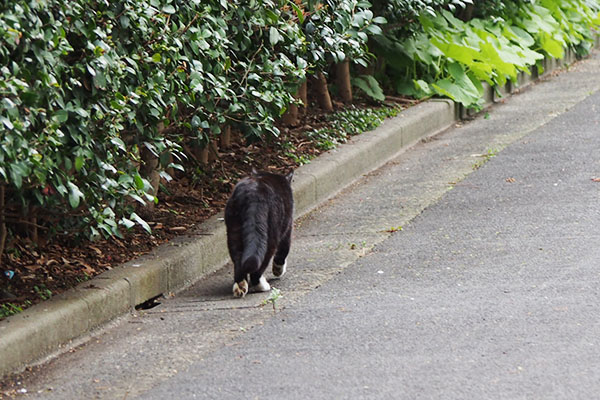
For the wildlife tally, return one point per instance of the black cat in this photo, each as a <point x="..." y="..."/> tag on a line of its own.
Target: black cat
<point x="259" y="218"/>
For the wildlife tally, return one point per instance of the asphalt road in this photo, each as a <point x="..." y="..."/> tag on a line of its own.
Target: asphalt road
<point x="467" y="268"/>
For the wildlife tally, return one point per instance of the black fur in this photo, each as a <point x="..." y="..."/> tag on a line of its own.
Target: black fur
<point x="259" y="217"/>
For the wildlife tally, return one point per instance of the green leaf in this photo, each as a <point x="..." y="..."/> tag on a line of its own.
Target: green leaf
<point x="272" y="16"/>
<point x="274" y="36"/>
<point x="168" y="9"/>
<point x="165" y="175"/>
<point x="490" y="54"/>
<point x="298" y="11"/>
<point x="406" y="88"/>
<point x="176" y="166"/>
<point x="137" y="198"/>
<point x="61" y="189"/>
<point x="522" y="37"/>
<point x="100" y="80"/>
<point x="19" y="171"/>
<point x="127" y="223"/>
<point x="370" y="86"/>
<point x="94" y="233"/>
<point x="139" y="182"/>
<point x="551" y="46"/>
<point x="7" y="122"/>
<point x="461" y="53"/>
<point x="141" y="222"/>
<point x="75" y="195"/>
<point x="422" y="88"/>
<point x="81" y="112"/>
<point x="119" y="143"/>
<point x="79" y="161"/>
<point x="196" y="121"/>
<point x="461" y="79"/>
<point x="462" y="95"/>
<point x="61" y="116"/>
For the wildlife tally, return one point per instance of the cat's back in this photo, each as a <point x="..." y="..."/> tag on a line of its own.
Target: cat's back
<point x="271" y="190"/>
<point x="249" y="190"/>
<point x="262" y="184"/>
<point x="277" y="188"/>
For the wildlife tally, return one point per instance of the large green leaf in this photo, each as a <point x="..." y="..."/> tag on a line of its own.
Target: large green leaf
<point x="458" y="52"/>
<point x="370" y="86"/>
<point x="490" y="55"/>
<point x="447" y="88"/>
<point x="471" y="86"/>
<point x="524" y="39"/>
<point x="551" y="45"/>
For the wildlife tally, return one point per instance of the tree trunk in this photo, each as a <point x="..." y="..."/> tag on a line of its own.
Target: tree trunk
<point x="342" y="75"/>
<point x="203" y="155"/>
<point x="467" y="13"/>
<point x="226" y="137"/>
<point x="323" y="98"/>
<point x="290" y="118"/>
<point x="213" y="151"/>
<point x="33" y="230"/>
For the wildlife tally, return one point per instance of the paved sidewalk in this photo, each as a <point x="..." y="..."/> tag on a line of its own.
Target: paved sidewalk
<point x="465" y="268"/>
<point x="491" y="293"/>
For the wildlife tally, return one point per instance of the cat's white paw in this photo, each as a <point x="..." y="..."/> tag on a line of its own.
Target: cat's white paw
<point x="263" y="285"/>
<point x="240" y="290"/>
<point x="279" y="270"/>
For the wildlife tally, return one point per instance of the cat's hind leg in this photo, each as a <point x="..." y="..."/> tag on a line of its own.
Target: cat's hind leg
<point x="240" y="289"/>
<point x="283" y="249"/>
<point x="279" y="269"/>
<point x="259" y="283"/>
<point x="257" y="280"/>
<point x="240" y="282"/>
<point x="262" y="285"/>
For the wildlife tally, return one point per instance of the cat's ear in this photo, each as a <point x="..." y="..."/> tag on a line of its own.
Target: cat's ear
<point x="289" y="176"/>
<point x="254" y="172"/>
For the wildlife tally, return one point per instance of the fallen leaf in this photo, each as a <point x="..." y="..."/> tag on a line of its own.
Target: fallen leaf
<point x="511" y="180"/>
<point x="87" y="269"/>
<point x="595" y="179"/>
<point x="97" y="250"/>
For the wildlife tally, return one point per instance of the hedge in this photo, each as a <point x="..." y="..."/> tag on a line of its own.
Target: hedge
<point x="100" y="99"/>
<point x="92" y="91"/>
<point x="451" y="55"/>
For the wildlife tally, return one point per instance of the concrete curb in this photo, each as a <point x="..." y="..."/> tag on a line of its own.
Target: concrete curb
<point x="47" y="327"/>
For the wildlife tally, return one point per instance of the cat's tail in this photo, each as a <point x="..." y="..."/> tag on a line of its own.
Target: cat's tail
<point x="254" y="236"/>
